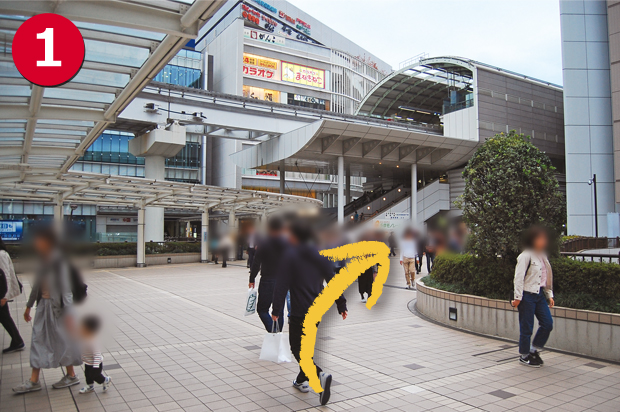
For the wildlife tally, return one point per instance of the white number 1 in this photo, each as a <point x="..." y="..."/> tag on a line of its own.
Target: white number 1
<point x="48" y="36"/>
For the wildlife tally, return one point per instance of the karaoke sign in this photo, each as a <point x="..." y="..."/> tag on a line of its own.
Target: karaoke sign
<point x="48" y="50"/>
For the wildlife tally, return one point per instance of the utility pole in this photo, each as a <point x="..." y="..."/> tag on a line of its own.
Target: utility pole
<point x="593" y="182"/>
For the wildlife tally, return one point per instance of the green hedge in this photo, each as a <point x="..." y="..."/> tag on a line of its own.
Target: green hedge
<point x="113" y="249"/>
<point x="579" y="285"/>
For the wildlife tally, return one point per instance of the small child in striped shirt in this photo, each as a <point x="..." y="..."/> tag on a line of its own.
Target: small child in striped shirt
<point x="91" y="355"/>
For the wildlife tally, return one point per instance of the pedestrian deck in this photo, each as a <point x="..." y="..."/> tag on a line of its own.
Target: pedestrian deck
<point x="181" y="343"/>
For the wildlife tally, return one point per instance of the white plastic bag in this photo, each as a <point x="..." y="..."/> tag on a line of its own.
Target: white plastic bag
<point x="276" y="348"/>
<point x="250" y="304"/>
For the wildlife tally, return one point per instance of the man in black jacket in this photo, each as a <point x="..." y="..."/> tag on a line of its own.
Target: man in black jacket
<point x="266" y="260"/>
<point x="303" y="271"/>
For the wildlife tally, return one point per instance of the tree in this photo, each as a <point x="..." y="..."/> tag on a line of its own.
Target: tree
<point x="510" y="185"/>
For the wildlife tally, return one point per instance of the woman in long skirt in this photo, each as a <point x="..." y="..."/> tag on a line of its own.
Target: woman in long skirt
<point x="52" y="345"/>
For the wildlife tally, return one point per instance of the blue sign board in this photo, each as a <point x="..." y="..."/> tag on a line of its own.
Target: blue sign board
<point x="11" y="229"/>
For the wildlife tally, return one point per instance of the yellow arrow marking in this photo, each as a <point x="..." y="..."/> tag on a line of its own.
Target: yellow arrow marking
<point x="363" y="255"/>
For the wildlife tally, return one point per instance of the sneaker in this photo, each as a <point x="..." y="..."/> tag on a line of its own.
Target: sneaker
<point x="27" y="386"/>
<point x="15" y="348"/>
<point x="363" y="300"/>
<point x="106" y="383"/>
<point x="88" y="389"/>
<point x="529" y="360"/>
<point x="536" y="355"/>
<point x="408" y="286"/>
<point x="66" y="381"/>
<point x="326" y="383"/>
<point x="303" y="387"/>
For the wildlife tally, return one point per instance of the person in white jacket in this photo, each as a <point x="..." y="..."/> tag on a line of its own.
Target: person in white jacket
<point x="533" y="296"/>
<point x="10" y="288"/>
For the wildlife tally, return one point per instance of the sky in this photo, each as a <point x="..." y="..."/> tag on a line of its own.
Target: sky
<point x="518" y="35"/>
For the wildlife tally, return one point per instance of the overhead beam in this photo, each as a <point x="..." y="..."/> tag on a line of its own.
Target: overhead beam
<point x="328" y="142"/>
<point x="388" y="148"/>
<point x="12" y="112"/>
<point x="369" y="146"/>
<point x="113" y="13"/>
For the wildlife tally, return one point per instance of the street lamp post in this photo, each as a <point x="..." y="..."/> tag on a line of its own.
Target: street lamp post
<point x="593" y="183"/>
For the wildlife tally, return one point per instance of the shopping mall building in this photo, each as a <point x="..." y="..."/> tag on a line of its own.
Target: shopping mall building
<point x="264" y="98"/>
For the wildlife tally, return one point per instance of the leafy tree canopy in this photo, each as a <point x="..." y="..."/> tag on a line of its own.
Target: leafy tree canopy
<point x="510" y="185"/>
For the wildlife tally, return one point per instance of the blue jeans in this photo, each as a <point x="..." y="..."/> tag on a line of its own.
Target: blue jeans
<point x="532" y="305"/>
<point x="265" y="300"/>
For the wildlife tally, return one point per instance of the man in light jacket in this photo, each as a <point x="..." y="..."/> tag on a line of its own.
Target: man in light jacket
<point x="533" y="296"/>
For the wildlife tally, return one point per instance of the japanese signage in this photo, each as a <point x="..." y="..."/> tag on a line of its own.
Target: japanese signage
<point x="264" y="37"/>
<point x="266" y="173"/>
<point x="388" y="224"/>
<point x="11" y="229"/>
<point x="261" y="67"/>
<point x="396" y="216"/>
<point x="294" y="73"/>
<point x="297" y="23"/>
<point x="121" y="220"/>
<point x="261" y="94"/>
<point x="258" y="18"/>
<point x="308" y="99"/>
<point x="266" y="5"/>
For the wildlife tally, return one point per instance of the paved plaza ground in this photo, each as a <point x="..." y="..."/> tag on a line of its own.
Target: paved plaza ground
<point x="181" y="343"/>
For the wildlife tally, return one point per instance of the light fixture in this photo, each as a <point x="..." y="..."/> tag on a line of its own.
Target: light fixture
<point x="398" y="190"/>
<point x="368" y="208"/>
<point x="397" y="166"/>
<point x="452" y="314"/>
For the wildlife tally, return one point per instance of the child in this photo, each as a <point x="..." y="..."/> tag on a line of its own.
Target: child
<point x="91" y="355"/>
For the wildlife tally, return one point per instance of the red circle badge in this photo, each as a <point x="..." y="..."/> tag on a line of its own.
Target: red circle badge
<point x="48" y="50"/>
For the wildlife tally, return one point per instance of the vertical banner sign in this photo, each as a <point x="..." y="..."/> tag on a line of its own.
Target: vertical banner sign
<point x="48" y="50"/>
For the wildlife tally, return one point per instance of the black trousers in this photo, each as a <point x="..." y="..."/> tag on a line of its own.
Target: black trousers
<point x="392" y="252"/>
<point x="7" y="321"/>
<point x="295" y="331"/>
<point x="430" y="257"/>
<point x="266" y="288"/>
<point x="94" y="374"/>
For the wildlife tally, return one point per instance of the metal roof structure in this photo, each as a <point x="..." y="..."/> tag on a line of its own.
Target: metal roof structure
<point x="424" y="85"/>
<point x="112" y="190"/>
<point x="43" y="131"/>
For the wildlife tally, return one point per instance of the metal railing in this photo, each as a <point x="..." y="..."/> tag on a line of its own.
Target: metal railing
<point x="208" y="98"/>
<point x="593" y="257"/>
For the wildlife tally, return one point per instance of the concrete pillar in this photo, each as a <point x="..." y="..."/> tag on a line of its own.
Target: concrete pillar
<point x="141" y="255"/>
<point x="348" y="185"/>
<point x="282" y="178"/>
<point x="232" y="220"/>
<point x="341" y="200"/>
<point x="413" y="212"/>
<point x="204" y="239"/>
<point x="154" y="168"/>
<point x="188" y="229"/>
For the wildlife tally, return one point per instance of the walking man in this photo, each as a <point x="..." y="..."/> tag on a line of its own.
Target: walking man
<point x="266" y="260"/>
<point x="303" y="271"/>
<point x="408" y="255"/>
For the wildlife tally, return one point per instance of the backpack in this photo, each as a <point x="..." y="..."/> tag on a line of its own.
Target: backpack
<point x="78" y="287"/>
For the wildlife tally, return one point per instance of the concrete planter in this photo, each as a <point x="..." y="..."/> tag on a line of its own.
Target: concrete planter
<point x="590" y="333"/>
<point x="120" y="261"/>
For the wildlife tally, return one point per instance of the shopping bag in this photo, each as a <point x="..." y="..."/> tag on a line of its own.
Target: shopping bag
<point x="250" y="304"/>
<point x="276" y="347"/>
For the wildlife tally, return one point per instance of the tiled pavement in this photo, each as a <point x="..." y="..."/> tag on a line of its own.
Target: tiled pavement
<point x="181" y="342"/>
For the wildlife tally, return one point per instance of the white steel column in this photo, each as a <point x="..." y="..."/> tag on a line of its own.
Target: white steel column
<point x="347" y="189"/>
<point x="154" y="168"/>
<point x="203" y="158"/>
<point x="141" y="258"/>
<point x="59" y="215"/>
<point x="282" y="178"/>
<point x="413" y="212"/>
<point x="204" y="245"/>
<point x="341" y="200"/>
